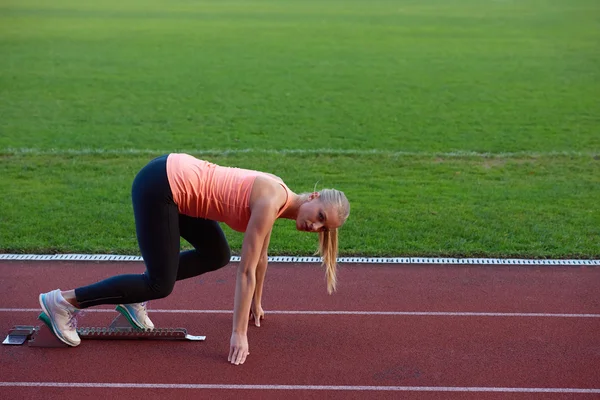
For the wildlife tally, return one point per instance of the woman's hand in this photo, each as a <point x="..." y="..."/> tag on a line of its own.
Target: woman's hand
<point x="257" y="313"/>
<point x="238" y="350"/>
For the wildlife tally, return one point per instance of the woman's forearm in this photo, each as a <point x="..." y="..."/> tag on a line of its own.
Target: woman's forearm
<point x="244" y="289"/>
<point x="261" y="272"/>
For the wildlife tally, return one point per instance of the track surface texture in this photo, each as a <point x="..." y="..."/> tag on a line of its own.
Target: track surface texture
<point x="391" y="331"/>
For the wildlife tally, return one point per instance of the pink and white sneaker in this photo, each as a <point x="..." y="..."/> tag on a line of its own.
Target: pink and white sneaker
<point x="136" y="314"/>
<point x="62" y="316"/>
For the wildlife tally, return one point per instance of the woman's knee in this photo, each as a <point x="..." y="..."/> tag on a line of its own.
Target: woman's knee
<point x="223" y="257"/>
<point x="218" y="258"/>
<point x="160" y="288"/>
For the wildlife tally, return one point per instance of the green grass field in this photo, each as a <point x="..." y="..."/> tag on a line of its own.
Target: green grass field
<point x="456" y="128"/>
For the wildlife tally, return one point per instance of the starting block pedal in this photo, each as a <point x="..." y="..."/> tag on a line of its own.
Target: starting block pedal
<point x="43" y="335"/>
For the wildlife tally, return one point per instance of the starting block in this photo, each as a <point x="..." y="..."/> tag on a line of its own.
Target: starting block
<point x="119" y="329"/>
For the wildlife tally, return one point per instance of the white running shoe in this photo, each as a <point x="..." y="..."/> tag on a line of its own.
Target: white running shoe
<point x="136" y="314"/>
<point x="61" y="315"/>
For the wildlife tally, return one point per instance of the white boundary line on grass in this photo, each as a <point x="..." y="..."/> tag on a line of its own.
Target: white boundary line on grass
<point x="111" y="385"/>
<point x="357" y="313"/>
<point x="283" y="152"/>
<point x="312" y="260"/>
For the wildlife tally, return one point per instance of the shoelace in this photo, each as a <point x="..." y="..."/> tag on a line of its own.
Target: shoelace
<point x="72" y="319"/>
<point x="144" y="308"/>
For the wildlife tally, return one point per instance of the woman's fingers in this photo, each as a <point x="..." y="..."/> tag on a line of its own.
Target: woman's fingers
<point x="231" y="352"/>
<point x="257" y="314"/>
<point x="238" y="356"/>
<point x="241" y="357"/>
<point x="238" y="349"/>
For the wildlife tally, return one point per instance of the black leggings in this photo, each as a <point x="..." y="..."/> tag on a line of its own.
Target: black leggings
<point x="159" y="226"/>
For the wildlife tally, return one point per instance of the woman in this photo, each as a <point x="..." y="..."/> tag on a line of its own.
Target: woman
<point x="177" y="195"/>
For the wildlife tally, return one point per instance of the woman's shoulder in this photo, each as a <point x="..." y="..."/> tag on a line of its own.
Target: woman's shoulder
<point x="278" y="179"/>
<point x="271" y="189"/>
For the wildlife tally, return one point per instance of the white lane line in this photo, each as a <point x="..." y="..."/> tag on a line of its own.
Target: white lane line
<point x="296" y="387"/>
<point x="310" y="312"/>
<point x="342" y="260"/>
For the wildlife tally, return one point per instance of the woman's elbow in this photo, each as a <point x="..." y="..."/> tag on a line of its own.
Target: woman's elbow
<point x="247" y="274"/>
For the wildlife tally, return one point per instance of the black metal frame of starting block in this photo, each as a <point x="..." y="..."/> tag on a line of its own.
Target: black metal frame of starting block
<point x="119" y="329"/>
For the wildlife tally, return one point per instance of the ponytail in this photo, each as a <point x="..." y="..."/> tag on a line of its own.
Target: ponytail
<point x="328" y="250"/>
<point x="328" y="239"/>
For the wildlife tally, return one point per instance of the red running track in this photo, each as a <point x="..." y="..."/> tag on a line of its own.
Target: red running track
<point x="549" y="350"/>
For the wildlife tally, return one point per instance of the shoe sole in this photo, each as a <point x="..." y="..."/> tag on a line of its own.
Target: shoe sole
<point x="124" y="312"/>
<point x="50" y="322"/>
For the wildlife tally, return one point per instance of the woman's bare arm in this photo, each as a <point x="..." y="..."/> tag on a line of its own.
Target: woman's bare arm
<point x="260" y="224"/>
<point x="261" y="269"/>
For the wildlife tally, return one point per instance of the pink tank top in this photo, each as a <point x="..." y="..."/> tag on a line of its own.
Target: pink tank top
<point x="206" y="190"/>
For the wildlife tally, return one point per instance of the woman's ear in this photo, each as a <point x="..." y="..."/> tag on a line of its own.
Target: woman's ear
<point x="314" y="195"/>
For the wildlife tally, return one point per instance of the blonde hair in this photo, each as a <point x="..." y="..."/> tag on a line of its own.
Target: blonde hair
<point x="328" y="239"/>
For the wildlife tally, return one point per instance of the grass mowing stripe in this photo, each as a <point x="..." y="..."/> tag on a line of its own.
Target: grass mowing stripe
<point x="283" y="152"/>
<point x="412" y="206"/>
<point x="429" y="75"/>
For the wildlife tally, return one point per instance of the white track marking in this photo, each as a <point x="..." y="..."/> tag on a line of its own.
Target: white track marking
<point x="365" y="313"/>
<point x="283" y="152"/>
<point x="315" y="260"/>
<point x="295" y="387"/>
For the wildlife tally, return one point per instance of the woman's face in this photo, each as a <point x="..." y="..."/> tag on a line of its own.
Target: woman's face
<point x="314" y="216"/>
